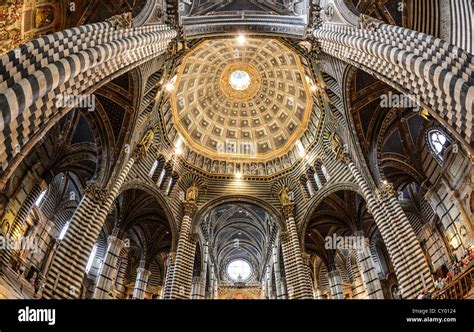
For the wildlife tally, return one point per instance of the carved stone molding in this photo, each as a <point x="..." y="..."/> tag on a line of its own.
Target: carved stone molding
<point x="122" y="21"/>
<point x="190" y="208"/>
<point x="329" y="12"/>
<point x="96" y="192"/>
<point x="143" y="272"/>
<point x="334" y="273"/>
<point x="368" y="22"/>
<point x="116" y="242"/>
<point x="138" y="154"/>
<point x="385" y="191"/>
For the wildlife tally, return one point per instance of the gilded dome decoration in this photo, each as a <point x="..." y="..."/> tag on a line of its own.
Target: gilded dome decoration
<point x="241" y="101"/>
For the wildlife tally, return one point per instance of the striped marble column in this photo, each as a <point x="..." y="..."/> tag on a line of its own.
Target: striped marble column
<point x="64" y="279"/>
<point x="121" y="273"/>
<point x="412" y="62"/>
<point x="307" y="265"/>
<point x="213" y="283"/>
<point x="108" y="270"/>
<point x="400" y="240"/>
<point x="335" y="283"/>
<point x="204" y="269"/>
<point x="298" y="284"/>
<point x="66" y="274"/>
<point x="367" y="269"/>
<point x="182" y="273"/>
<point x="141" y="283"/>
<point x="33" y="82"/>
<point x="7" y="253"/>
<point x="169" y="262"/>
<point x="197" y="288"/>
<point x="279" y="286"/>
<point x="289" y="262"/>
<point x="419" y="272"/>
<point x="93" y="275"/>
<point x="269" y="289"/>
<point x="284" y="289"/>
<point x="215" y="289"/>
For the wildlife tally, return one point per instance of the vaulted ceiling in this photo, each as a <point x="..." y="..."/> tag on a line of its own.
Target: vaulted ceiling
<point x="268" y="115"/>
<point x="239" y="231"/>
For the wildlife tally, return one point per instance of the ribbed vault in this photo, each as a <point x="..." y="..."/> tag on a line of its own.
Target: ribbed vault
<point x="239" y="232"/>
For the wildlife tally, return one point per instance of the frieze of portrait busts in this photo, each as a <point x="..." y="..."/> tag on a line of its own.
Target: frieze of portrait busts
<point x="222" y="167"/>
<point x="207" y="165"/>
<point x="215" y="166"/>
<point x="253" y="169"/>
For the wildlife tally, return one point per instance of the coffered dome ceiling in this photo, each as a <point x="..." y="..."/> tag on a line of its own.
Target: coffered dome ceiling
<point x="241" y="100"/>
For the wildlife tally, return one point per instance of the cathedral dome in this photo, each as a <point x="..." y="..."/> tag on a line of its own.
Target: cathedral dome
<point x="241" y="99"/>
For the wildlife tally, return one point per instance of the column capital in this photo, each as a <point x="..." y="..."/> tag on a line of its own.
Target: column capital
<point x="288" y="210"/>
<point x="198" y="280"/>
<point x="368" y="22"/>
<point x="115" y="241"/>
<point x="190" y="208"/>
<point x="171" y="255"/>
<point x="385" y="191"/>
<point x="143" y="272"/>
<point x="121" y="21"/>
<point x="334" y="273"/>
<point x="95" y="191"/>
<point x="138" y="154"/>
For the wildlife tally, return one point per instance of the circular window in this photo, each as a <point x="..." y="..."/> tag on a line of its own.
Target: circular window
<point x="239" y="80"/>
<point x="438" y="140"/>
<point x="239" y="270"/>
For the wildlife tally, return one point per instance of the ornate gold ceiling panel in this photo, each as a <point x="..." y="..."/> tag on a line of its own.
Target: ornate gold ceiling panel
<point x="242" y="102"/>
